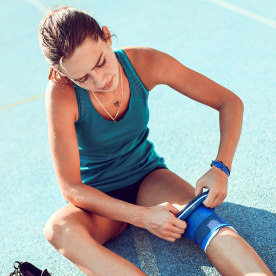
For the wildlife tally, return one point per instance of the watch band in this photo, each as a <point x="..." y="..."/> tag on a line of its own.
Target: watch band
<point x="220" y="165"/>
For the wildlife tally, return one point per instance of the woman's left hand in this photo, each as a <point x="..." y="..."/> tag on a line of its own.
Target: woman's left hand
<point x="216" y="182"/>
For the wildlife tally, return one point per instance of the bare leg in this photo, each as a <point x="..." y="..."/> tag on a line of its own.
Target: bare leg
<point x="229" y="253"/>
<point x="79" y="235"/>
<point x="237" y="257"/>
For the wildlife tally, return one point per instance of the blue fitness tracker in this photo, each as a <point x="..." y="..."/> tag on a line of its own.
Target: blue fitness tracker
<point x="221" y="166"/>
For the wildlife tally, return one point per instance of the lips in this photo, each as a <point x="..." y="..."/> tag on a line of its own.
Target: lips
<point x="108" y="85"/>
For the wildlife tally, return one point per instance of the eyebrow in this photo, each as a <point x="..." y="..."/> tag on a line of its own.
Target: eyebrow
<point x="78" y="79"/>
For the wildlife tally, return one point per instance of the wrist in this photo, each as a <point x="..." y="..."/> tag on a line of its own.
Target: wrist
<point x="220" y="165"/>
<point x="140" y="217"/>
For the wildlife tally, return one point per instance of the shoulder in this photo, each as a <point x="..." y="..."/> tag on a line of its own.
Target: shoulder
<point x="149" y="63"/>
<point x="60" y="100"/>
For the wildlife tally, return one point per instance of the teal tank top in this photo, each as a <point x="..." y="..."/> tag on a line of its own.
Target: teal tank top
<point x="114" y="155"/>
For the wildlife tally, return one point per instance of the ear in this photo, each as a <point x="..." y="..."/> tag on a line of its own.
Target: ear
<point x="59" y="70"/>
<point x="107" y="34"/>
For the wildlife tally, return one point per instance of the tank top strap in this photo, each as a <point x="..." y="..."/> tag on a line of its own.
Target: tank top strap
<point x="83" y="102"/>
<point x="137" y="87"/>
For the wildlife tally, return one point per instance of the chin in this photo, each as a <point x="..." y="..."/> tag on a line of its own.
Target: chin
<point x="113" y="87"/>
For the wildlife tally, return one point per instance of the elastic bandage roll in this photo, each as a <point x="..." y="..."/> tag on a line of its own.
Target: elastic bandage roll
<point x="202" y="226"/>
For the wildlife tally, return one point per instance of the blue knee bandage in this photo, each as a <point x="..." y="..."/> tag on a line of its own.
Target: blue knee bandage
<point x="202" y="225"/>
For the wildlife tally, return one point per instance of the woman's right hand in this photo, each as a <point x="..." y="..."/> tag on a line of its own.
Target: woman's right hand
<point x="160" y="220"/>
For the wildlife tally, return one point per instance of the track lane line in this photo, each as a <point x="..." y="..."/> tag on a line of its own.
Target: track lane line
<point x="247" y="13"/>
<point x="38" y="5"/>
<point x="144" y="252"/>
<point x="8" y="106"/>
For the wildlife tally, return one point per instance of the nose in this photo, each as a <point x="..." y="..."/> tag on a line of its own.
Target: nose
<point x="99" y="79"/>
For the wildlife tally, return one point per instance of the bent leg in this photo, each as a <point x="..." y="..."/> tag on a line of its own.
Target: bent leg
<point x="79" y="235"/>
<point x="229" y="253"/>
<point x="162" y="185"/>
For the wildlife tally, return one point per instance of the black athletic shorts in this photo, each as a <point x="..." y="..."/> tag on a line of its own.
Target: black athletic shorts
<point x="129" y="193"/>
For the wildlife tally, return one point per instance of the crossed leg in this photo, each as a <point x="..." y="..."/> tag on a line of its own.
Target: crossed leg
<point x="228" y="251"/>
<point x="79" y="236"/>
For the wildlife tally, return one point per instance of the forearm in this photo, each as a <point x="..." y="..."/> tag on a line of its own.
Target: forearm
<point x="95" y="201"/>
<point x="230" y="117"/>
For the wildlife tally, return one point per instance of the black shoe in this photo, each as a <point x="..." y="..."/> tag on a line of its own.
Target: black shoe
<point x="27" y="269"/>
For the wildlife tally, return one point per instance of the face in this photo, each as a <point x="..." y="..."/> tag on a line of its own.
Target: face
<point x="93" y="65"/>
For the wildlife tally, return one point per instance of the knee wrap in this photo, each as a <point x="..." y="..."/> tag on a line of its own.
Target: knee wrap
<point x="202" y="225"/>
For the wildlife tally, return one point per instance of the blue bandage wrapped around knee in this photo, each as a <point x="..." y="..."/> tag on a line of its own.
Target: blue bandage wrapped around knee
<point x="202" y="225"/>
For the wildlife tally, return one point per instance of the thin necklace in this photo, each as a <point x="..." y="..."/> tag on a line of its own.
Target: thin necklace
<point x="116" y="103"/>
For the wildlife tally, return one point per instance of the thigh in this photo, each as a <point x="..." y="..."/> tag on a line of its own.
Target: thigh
<point x="163" y="185"/>
<point x="100" y="228"/>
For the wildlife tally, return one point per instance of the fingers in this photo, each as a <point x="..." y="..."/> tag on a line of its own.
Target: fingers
<point x="219" y="199"/>
<point x="180" y="224"/>
<point x="214" y="199"/>
<point x="171" y="208"/>
<point x="171" y="238"/>
<point x="173" y="235"/>
<point x="168" y="227"/>
<point x="208" y="202"/>
<point x="176" y="225"/>
<point x="217" y="190"/>
<point x="177" y="230"/>
<point x="174" y="228"/>
<point x="199" y="189"/>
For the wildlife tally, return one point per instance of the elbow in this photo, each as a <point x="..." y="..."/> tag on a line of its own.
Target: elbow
<point x="234" y="103"/>
<point x="239" y="104"/>
<point x="70" y="192"/>
<point x="70" y="196"/>
<point x="66" y="195"/>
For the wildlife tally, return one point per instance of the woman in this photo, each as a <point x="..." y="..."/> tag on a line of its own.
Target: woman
<point x="107" y="170"/>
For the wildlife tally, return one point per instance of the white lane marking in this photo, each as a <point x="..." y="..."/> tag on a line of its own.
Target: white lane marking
<point x="43" y="9"/>
<point x="21" y="102"/>
<point x="144" y="251"/>
<point x="38" y="5"/>
<point x="247" y="13"/>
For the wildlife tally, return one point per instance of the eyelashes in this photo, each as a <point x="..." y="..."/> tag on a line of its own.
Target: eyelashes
<point x="83" y="81"/>
<point x="99" y="66"/>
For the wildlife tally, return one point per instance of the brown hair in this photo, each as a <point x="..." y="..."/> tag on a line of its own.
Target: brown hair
<point x="61" y="31"/>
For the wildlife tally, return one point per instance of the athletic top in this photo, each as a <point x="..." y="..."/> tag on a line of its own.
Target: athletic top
<point x="114" y="155"/>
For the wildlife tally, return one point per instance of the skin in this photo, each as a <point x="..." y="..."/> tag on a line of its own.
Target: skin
<point x="79" y="229"/>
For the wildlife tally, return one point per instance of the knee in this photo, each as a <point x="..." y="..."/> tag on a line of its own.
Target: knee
<point x="226" y="231"/>
<point x="52" y="229"/>
<point x="203" y="225"/>
<point x="57" y="230"/>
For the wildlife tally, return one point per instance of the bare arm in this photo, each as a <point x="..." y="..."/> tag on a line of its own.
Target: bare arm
<point x="61" y="113"/>
<point x="169" y="71"/>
